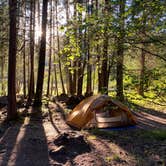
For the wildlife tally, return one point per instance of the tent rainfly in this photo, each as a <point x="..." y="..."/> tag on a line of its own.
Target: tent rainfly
<point x="104" y="110"/>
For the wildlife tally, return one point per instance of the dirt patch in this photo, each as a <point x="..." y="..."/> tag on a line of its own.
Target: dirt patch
<point x="92" y="159"/>
<point x="149" y="118"/>
<point x="68" y="146"/>
<point x="42" y="137"/>
<point x="148" y="121"/>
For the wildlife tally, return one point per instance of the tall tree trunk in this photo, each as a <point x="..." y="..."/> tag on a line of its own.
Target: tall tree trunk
<point x="24" y="53"/>
<point x="89" y="74"/>
<point x="104" y="65"/>
<point x="89" y="66"/>
<point x="80" y="78"/>
<point x="120" y="52"/>
<point x="32" y="43"/>
<point x="38" y="17"/>
<point x="42" y="54"/>
<point x="50" y="52"/>
<point x="56" y="80"/>
<point x="24" y="66"/>
<point x="74" y="63"/>
<point x="2" y="75"/>
<point x="11" y="111"/>
<point x="142" y="73"/>
<point x="80" y="74"/>
<point x="103" y="76"/>
<point x="94" y="78"/>
<point x="143" y="54"/>
<point x="54" y="53"/>
<point x="98" y="54"/>
<point x="58" y="43"/>
<point x="68" y="73"/>
<point x="52" y="82"/>
<point x="81" y="61"/>
<point x="28" y="73"/>
<point x="74" y="78"/>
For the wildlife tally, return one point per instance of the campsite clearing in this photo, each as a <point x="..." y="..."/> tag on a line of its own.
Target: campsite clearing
<point x="32" y="142"/>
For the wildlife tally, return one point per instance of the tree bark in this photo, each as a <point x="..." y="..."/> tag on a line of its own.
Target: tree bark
<point x="104" y="64"/>
<point x="24" y="56"/>
<point x="42" y="54"/>
<point x="2" y="76"/>
<point x="54" y="53"/>
<point x="58" y="43"/>
<point x="142" y="73"/>
<point x="32" y="43"/>
<point x="143" y="54"/>
<point x="120" y="52"/>
<point x="103" y="72"/>
<point x="12" y="112"/>
<point x="68" y="73"/>
<point x="89" y="65"/>
<point x="50" y="52"/>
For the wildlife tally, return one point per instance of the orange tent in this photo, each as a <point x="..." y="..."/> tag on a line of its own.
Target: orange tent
<point x="93" y="108"/>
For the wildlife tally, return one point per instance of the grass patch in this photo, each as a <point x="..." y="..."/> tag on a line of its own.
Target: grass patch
<point x="116" y="158"/>
<point x="159" y="134"/>
<point x="150" y="101"/>
<point x="99" y="132"/>
<point x="155" y="134"/>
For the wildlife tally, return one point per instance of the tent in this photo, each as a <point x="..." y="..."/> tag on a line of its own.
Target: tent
<point x="104" y="110"/>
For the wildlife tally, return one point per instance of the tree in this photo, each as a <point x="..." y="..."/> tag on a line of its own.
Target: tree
<point x="50" y="51"/>
<point x="98" y="36"/>
<point x="54" y="53"/>
<point x="24" y="53"/>
<point x="42" y="54"/>
<point x="104" y="75"/>
<point x="88" y="47"/>
<point x="68" y="73"/>
<point x="58" y="45"/>
<point x="81" y="60"/>
<point x="120" y="51"/>
<point x="12" y="112"/>
<point x="145" y="28"/>
<point x="32" y="43"/>
<point x="4" y="22"/>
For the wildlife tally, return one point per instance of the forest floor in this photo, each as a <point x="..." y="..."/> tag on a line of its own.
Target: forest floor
<point x="33" y="140"/>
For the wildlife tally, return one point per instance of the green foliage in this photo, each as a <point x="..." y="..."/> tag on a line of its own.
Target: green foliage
<point x="159" y="134"/>
<point x="131" y="80"/>
<point x="155" y="134"/>
<point x="86" y="31"/>
<point x="80" y="8"/>
<point x="157" y="84"/>
<point x="4" y="21"/>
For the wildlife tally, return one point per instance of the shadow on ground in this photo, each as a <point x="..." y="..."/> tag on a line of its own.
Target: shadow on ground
<point x="68" y="144"/>
<point x="33" y="148"/>
<point x="25" y="143"/>
<point x="146" y="142"/>
<point x="8" y="144"/>
<point x="148" y="118"/>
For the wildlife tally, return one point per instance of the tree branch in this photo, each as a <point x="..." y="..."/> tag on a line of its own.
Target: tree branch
<point x="147" y="51"/>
